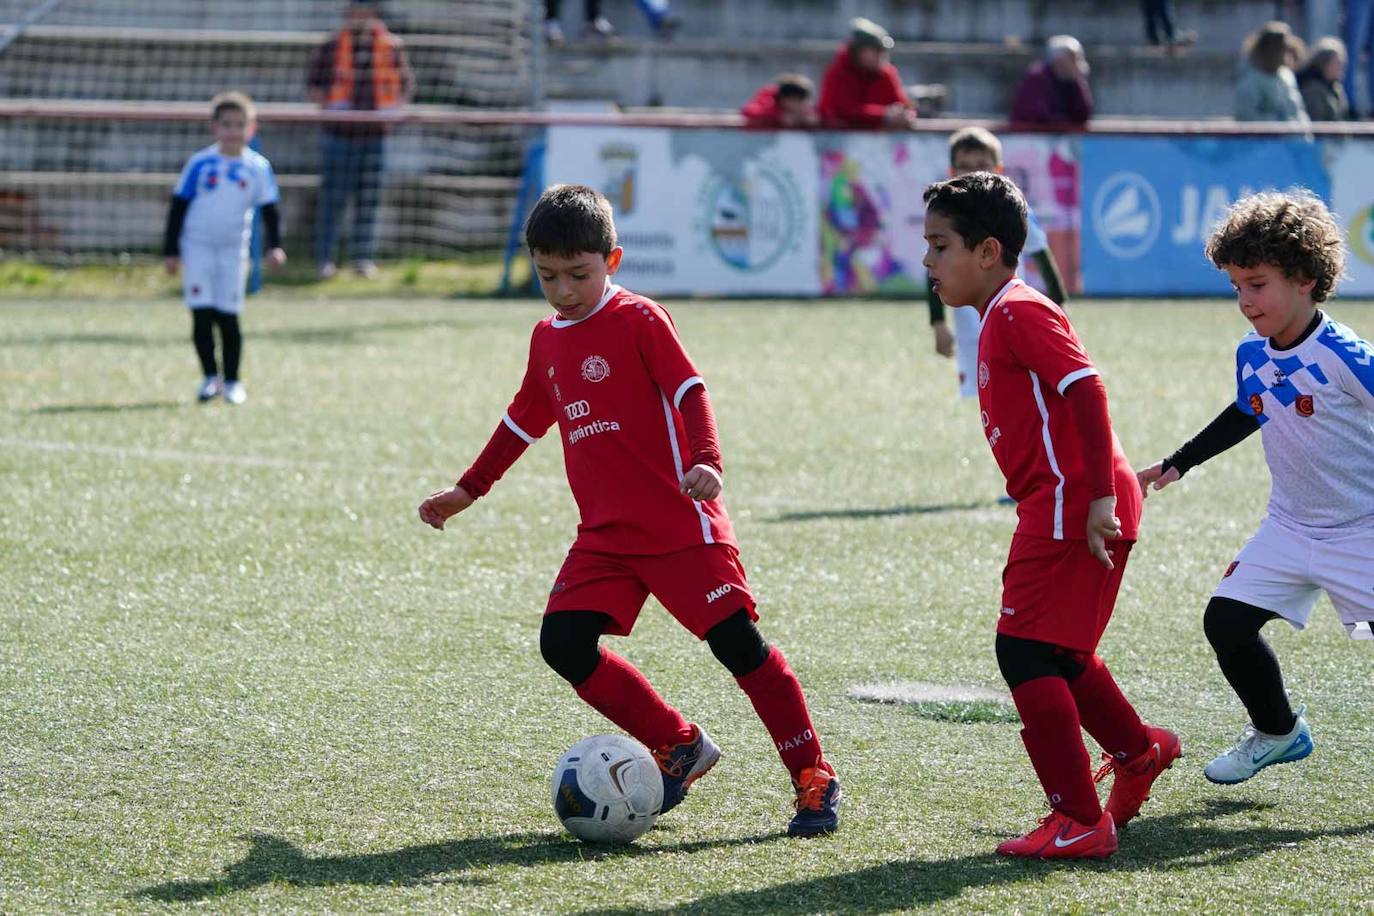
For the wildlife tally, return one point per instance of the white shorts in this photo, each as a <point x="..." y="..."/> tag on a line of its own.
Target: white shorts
<point x="1283" y="571"/>
<point x="966" y="325"/>
<point x="214" y="276"/>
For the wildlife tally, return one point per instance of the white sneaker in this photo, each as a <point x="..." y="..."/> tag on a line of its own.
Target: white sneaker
<point x="326" y="270"/>
<point x="600" y="27"/>
<point x="209" y="389"/>
<point x="1255" y="750"/>
<point x="553" y="32"/>
<point x="366" y="269"/>
<point x="235" y="393"/>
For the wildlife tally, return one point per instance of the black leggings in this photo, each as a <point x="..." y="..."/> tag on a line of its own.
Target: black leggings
<point x="1233" y="629"/>
<point x="203" y="321"/>
<point x="570" y="643"/>
<point x="1023" y="660"/>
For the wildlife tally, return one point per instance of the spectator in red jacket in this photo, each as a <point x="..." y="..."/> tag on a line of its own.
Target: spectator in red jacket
<point x="861" y="88"/>
<point x="1055" y="90"/>
<point x="789" y="102"/>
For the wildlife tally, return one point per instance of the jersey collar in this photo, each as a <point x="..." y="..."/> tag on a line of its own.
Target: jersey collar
<point x="1317" y="321"/>
<point x="611" y="290"/>
<point x="996" y="298"/>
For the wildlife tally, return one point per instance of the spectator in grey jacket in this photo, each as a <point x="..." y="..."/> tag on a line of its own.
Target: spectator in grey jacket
<point x="1320" y="82"/>
<point x="1267" y="90"/>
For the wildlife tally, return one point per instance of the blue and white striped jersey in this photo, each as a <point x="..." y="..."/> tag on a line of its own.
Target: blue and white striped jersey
<point x="224" y="193"/>
<point x="1315" y="405"/>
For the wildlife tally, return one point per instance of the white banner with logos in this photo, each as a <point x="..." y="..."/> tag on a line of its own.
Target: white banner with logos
<point x="1351" y="165"/>
<point x="709" y="212"/>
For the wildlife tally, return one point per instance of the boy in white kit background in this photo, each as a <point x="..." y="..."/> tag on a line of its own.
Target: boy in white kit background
<point x="1306" y="382"/>
<point x="209" y="226"/>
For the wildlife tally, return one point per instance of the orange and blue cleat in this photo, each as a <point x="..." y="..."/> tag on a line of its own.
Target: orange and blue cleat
<point x="818" y="802"/>
<point x="1131" y="787"/>
<point x="683" y="764"/>
<point x="1061" y="837"/>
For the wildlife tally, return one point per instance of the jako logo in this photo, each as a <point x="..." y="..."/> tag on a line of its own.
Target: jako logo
<point x="795" y="741"/>
<point x="1127" y="215"/>
<point x="721" y="592"/>
<point x="577" y="410"/>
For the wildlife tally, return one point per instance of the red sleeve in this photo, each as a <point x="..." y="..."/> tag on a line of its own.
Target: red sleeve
<point x="1080" y="101"/>
<point x="1041" y="339"/>
<point x="840" y="105"/>
<point x="664" y="356"/>
<point x="894" y="81"/>
<point x="501" y="452"/>
<point x="529" y="415"/>
<point x="700" y="422"/>
<point x="1087" y="400"/>
<point x="762" y="109"/>
<point x="1031" y="104"/>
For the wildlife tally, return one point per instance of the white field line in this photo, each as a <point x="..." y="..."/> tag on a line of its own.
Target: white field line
<point x="138" y="453"/>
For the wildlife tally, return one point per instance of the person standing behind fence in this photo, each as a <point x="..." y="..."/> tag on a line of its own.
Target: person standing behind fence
<point x="1055" y="89"/>
<point x="789" y="102"/>
<point x="362" y="68"/>
<point x="1319" y="82"/>
<point x="861" y="87"/>
<point x="1267" y="90"/>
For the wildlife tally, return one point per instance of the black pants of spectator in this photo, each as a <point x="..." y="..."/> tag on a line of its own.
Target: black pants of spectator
<point x="591" y="7"/>
<point x="203" y="321"/>
<point x="1159" y="21"/>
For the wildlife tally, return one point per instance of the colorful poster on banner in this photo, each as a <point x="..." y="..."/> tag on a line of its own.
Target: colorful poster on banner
<point x="871" y="213"/>
<point x="1150" y="202"/>
<point x="1046" y="170"/>
<point x="698" y="211"/>
<point x="1351" y="163"/>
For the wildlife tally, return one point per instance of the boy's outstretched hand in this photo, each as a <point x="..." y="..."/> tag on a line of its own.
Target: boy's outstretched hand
<point x="276" y="257"/>
<point x="1103" y="526"/>
<point x="701" y="483"/>
<point x="443" y="505"/>
<point x="1155" y="474"/>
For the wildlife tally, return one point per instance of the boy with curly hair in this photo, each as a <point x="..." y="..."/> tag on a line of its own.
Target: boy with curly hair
<point x="1307" y="382"/>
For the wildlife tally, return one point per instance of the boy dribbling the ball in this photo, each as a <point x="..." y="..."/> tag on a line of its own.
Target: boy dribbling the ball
<point x="644" y="465"/>
<point x="1044" y="412"/>
<point x="209" y="225"/>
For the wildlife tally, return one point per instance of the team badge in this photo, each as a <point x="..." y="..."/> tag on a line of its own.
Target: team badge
<point x="211" y="180"/>
<point x="1304" y="405"/>
<point x="1230" y="569"/>
<point x="1256" y="404"/>
<point x="595" y="369"/>
<point x="983" y="375"/>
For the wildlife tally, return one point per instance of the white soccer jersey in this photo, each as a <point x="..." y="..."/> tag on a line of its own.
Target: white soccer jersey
<point x="1315" y="405"/>
<point x="224" y="192"/>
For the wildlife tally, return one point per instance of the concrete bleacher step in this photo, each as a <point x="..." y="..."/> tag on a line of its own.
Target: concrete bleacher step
<point x="980" y="78"/>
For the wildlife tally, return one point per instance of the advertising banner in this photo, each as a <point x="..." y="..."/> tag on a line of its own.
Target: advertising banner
<point x="1351" y="164"/>
<point x="1149" y="204"/>
<point x="711" y="212"/>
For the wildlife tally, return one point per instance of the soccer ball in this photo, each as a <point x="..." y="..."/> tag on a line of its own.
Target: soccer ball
<point x="607" y="789"/>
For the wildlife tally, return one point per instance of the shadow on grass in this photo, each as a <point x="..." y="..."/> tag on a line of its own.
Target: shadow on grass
<point x="331" y="334"/>
<point x="271" y="859"/>
<point x="111" y="408"/>
<point x="881" y="512"/>
<point x="1173" y="843"/>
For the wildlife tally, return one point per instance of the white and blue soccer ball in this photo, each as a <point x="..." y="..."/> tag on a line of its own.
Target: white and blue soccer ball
<point x="607" y="789"/>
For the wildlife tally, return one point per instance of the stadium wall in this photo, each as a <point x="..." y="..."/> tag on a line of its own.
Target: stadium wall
<point x="728" y="212"/>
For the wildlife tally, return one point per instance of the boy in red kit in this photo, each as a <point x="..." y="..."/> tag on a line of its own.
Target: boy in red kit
<point x="639" y="444"/>
<point x="1044" y="413"/>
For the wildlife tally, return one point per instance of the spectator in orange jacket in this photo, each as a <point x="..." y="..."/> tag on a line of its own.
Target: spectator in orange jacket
<point x="789" y="102"/>
<point x="861" y="87"/>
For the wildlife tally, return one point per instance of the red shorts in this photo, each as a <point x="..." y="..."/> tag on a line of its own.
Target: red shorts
<point x="700" y="586"/>
<point x="1057" y="591"/>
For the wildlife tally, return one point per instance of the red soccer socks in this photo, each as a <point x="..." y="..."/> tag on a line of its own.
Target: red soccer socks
<point x="619" y="692"/>
<point x="1054" y="740"/>
<point x="777" y="697"/>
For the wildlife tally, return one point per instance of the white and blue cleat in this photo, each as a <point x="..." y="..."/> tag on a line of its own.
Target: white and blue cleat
<point x="1256" y="750"/>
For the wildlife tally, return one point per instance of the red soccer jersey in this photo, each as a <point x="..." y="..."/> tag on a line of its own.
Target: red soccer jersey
<point x="613" y="382"/>
<point x="1028" y="356"/>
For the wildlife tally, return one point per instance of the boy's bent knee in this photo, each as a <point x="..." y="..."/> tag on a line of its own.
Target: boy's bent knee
<point x="1228" y="622"/>
<point x="569" y="643"/>
<point x="1022" y="660"/>
<point x="737" y="644"/>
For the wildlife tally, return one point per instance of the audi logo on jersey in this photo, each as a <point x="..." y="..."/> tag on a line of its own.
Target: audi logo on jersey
<point x="983" y="375"/>
<point x="577" y="410"/>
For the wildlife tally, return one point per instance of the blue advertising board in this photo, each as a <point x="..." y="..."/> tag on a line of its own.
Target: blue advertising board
<point x="1149" y="204"/>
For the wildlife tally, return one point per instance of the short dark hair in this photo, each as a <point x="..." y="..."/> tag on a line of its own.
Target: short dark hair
<point x="795" y="86"/>
<point x="976" y="140"/>
<point x="233" y="101"/>
<point x="571" y="219"/>
<point x="982" y="205"/>
<point x="1293" y="231"/>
